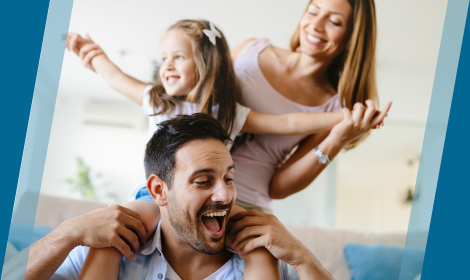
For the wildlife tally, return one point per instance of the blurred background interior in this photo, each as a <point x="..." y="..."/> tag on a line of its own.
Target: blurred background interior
<point x="98" y="136"/>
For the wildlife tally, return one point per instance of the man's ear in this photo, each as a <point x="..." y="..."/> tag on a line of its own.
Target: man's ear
<point x="158" y="189"/>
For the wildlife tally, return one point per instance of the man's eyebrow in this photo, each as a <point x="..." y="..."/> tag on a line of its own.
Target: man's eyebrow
<point x="331" y="12"/>
<point x="207" y="170"/>
<point x="210" y="170"/>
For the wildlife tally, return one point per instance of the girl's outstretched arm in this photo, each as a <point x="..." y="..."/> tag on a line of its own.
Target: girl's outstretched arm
<point x="103" y="264"/>
<point x="94" y="58"/>
<point x="259" y="263"/>
<point x="291" y="124"/>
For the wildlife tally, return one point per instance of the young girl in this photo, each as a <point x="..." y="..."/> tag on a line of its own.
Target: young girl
<point x="196" y="75"/>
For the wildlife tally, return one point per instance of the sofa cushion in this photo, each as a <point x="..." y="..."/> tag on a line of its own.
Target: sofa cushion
<point x="327" y="245"/>
<point x="369" y="262"/>
<point x="21" y="235"/>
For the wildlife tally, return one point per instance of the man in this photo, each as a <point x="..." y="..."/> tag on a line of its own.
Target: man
<point x="190" y="173"/>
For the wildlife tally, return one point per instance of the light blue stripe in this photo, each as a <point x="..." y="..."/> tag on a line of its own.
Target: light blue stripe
<point x="42" y="111"/>
<point x="436" y="126"/>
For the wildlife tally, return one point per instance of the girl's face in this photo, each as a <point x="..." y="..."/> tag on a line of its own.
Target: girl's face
<point x="178" y="71"/>
<point x="324" y="28"/>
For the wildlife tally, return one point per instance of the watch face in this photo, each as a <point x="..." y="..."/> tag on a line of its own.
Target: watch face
<point x="322" y="158"/>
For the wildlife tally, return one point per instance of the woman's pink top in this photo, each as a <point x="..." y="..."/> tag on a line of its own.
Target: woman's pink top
<point x="257" y="160"/>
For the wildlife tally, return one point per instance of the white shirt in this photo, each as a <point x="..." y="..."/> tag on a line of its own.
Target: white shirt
<point x="218" y="275"/>
<point x="188" y="108"/>
<point x="150" y="264"/>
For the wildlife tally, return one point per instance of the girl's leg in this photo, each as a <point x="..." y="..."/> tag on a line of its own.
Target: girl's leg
<point x="103" y="263"/>
<point x="259" y="263"/>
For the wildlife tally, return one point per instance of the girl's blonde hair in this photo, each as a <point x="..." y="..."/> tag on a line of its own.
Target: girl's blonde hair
<point x="216" y="81"/>
<point x="352" y="72"/>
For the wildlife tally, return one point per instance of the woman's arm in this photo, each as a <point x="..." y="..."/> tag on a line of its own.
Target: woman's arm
<point x="94" y="58"/>
<point x="303" y="167"/>
<point x="109" y="258"/>
<point x="290" y="124"/>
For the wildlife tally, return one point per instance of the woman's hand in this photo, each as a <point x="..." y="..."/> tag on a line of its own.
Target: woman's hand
<point x="86" y="49"/>
<point x="359" y="122"/>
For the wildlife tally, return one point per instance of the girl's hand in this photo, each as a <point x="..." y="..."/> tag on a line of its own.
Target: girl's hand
<point x="86" y="49"/>
<point x="359" y="122"/>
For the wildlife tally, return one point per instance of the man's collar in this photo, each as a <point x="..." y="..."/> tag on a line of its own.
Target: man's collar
<point x="154" y="243"/>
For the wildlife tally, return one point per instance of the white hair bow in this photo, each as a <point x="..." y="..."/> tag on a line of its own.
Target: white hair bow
<point x="212" y="33"/>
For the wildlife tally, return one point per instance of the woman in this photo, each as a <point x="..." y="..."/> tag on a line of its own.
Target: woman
<point x="332" y="50"/>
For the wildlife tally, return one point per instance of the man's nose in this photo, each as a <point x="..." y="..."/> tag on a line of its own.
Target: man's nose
<point x="221" y="193"/>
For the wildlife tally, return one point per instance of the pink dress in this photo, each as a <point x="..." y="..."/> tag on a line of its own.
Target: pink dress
<point x="258" y="159"/>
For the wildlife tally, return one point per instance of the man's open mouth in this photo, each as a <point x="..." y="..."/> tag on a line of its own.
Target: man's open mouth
<point x="214" y="222"/>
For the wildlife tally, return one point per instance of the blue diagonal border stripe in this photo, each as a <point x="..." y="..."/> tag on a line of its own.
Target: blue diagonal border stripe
<point x="41" y="114"/>
<point x="431" y="170"/>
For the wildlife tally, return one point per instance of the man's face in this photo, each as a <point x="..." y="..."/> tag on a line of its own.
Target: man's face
<point x="202" y="194"/>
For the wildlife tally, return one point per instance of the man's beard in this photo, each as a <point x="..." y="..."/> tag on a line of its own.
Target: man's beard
<point x="192" y="231"/>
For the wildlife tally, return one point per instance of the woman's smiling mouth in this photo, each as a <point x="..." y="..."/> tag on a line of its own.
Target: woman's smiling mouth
<point x="315" y="40"/>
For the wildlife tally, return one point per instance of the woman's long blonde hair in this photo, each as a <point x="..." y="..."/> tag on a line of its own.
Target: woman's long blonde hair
<point x="216" y="81"/>
<point x="352" y="73"/>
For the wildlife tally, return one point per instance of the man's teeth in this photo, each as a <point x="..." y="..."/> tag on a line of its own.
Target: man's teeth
<point x="313" y="39"/>
<point x="215" y="214"/>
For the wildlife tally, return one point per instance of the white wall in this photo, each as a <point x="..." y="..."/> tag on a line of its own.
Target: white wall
<point x="115" y="152"/>
<point x="361" y="191"/>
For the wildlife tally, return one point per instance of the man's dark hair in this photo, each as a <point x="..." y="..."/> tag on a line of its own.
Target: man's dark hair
<point x="174" y="133"/>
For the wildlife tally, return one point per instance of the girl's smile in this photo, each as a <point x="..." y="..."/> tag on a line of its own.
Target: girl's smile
<point x="178" y="71"/>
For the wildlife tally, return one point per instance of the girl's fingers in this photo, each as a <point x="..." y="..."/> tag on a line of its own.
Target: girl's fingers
<point x="87" y="48"/>
<point x="89" y="56"/>
<point x="358" y="113"/>
<point x="74" y="45"/>
<point x="347" y="114"/>
<point x="379" y="119"/>
<point x="369" y="114"/>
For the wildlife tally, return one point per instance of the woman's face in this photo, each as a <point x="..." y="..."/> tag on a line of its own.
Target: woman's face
<point x="324" y="28"/>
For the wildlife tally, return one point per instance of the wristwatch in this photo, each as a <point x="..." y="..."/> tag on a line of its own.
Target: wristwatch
<point x="321" y="157"/>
